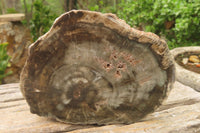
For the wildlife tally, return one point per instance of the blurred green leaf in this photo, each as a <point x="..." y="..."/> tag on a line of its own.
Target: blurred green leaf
<point x="4" y="61"/>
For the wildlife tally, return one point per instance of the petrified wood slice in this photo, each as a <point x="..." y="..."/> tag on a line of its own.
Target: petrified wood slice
<point x="93" y="68"/>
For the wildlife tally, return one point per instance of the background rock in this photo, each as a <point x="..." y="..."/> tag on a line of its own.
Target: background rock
<point x="18" y="38"/>
<point x="183" y="75"/>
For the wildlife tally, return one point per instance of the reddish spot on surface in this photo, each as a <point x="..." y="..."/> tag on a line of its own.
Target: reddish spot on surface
<point x="107" y="66"/>
<point x="77" y="93"/>
<point x="144" y="80"/>
<point x="198" y="65"/>
<point x="118" y="74"/>
<point x="134" y="63"/>
<point x="117" y="61"/>
<point x="113" y="55"/>
<point x="122" y="66"/>
<point x="78" y="90"/>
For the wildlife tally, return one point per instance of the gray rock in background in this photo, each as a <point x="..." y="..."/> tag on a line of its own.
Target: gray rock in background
<point x="18" y="38"/>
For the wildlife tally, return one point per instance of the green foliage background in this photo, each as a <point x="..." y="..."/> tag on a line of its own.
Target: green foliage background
<point x="42" y="19"/>
<point x="177" y="21"/>
<point x="4" y="61"/>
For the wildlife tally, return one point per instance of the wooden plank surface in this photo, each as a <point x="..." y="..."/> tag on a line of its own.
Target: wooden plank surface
<point x="12" y="17"/>
<point x="179" y="113"/>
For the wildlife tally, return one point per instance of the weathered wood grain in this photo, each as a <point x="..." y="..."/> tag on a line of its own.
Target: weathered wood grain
<point x="179" y="113"/>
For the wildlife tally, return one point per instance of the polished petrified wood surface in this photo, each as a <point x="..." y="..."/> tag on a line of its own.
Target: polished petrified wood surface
<point x="93" y="68"/>
<point x="179" y="113"/>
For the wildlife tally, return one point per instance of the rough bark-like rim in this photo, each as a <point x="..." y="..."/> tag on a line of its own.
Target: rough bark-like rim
<point x="183" y="75"/>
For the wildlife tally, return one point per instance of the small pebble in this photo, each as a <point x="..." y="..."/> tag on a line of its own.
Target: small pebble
<point x="185" y="61"/>
<point x="194" y="59"/>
